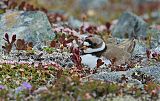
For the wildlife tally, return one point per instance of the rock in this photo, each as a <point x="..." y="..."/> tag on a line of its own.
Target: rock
<point x="150" y="70"/>
<point x="155" y="36"/>
<point x="32" y="26"/>
<point x="153" y="71"/>
<point x="115" y="77"/>
<point x="157" y="49"/>
<point x="140" y="49"/>
<point x="130" y="24"/>
<point x="61" y="58"/>
<point x="123" y="98"/>
<point x="108" y="76"/>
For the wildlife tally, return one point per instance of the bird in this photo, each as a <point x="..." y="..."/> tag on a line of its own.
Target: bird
<point x="94" y="45"/>
<point x="109" y="49"/>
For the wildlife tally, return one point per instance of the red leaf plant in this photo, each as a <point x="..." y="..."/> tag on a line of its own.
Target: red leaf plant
<point x="99" y="63"/>
<point x="91" y="29"/>
<point x="61" y="41"/>
<point x="53" y="43"/>
<point x="8" y="45"/>
<point x="156" y="56"/>
<point x="29" y="7"/>
<point x="148" y="52"/>
<point x="22" y="45"/>
<point x="76" y="57"/>
<point x="64" y="41"/>
<point x="12" y="4"/>
<point x="108" y="25"/>
<point x="55" y="17"/>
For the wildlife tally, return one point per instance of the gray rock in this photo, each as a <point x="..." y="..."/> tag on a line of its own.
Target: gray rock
<point x="155" y="34"/>
<point x="108" y="76"/>
<point x="140" y="49"/>
<point x="62" y="58"/>
<point x="157" y="49"/>
<point x="150" y="70"/>
<point x="153" y="71"/>
<point x="130" y="24"/>
<point x="32" y="26"/>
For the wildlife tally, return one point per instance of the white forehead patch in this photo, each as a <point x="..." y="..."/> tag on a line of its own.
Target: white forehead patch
<point x="86" y="44"/>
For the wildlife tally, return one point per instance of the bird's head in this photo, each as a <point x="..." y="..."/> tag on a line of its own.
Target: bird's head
<point x="93" y="44"/>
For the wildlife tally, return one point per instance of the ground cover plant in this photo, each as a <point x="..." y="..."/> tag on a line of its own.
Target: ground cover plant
<point x="59" y="68"/>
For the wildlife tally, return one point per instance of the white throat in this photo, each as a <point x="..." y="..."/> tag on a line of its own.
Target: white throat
<point x="90" y="50"/>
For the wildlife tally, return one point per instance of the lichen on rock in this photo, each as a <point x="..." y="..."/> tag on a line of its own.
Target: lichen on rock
<point x="32" y="26"/>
